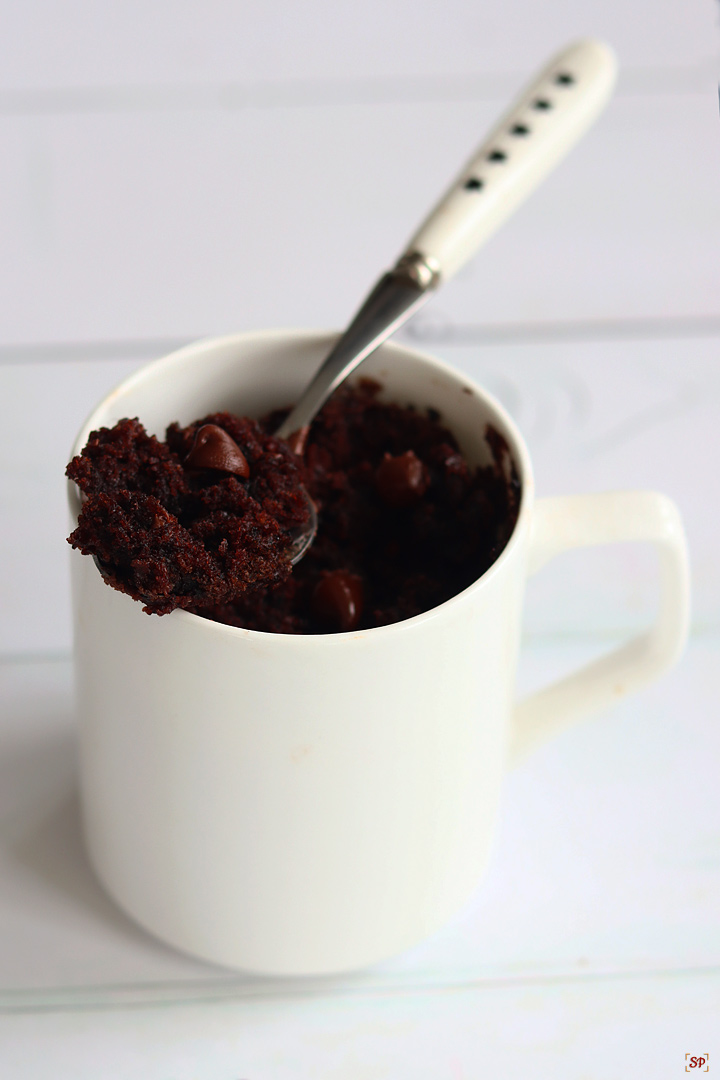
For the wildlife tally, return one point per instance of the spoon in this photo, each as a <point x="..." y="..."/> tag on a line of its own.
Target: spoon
<point x="527" y="142"/>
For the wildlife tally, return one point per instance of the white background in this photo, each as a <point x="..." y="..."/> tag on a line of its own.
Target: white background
<point x="171" y="170"/>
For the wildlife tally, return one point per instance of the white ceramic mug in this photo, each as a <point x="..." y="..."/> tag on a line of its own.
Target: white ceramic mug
<point x="313" y="804"/>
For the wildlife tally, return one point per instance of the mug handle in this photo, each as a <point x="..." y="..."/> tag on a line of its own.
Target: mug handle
<point x="572" y="521"/>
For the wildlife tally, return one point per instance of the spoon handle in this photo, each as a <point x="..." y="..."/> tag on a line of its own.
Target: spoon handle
<point x="528" y="141"/>
<point x="548" y="118"/>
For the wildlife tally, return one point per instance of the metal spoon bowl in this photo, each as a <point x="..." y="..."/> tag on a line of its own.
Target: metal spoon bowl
<point x="301" y="539"/>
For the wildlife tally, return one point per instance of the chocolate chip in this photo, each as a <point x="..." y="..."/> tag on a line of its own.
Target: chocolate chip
<point x="337" y="600"/>
<point x="213" y="448"/>
<point x="401" y="480"/>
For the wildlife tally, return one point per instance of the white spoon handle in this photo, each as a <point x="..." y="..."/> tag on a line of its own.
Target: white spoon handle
<point x="530" y="139"/>
<point x="543" y="124"/>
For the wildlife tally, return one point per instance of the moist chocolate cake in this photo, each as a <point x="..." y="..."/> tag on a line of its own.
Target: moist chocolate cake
<point x="193" y="521"/>
<point x="202" y="521"/>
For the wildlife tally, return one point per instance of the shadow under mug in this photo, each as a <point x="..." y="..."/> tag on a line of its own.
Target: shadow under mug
<point x="303" y="805"/>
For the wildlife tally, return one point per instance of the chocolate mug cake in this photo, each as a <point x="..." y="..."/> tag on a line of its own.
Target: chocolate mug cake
<point x="202" y="520"/>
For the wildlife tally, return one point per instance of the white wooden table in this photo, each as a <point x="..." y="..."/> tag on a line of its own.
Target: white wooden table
<point x="168" y="172"/>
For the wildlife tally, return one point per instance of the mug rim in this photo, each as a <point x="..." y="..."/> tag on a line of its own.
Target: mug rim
<point x="518" y="448"/>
